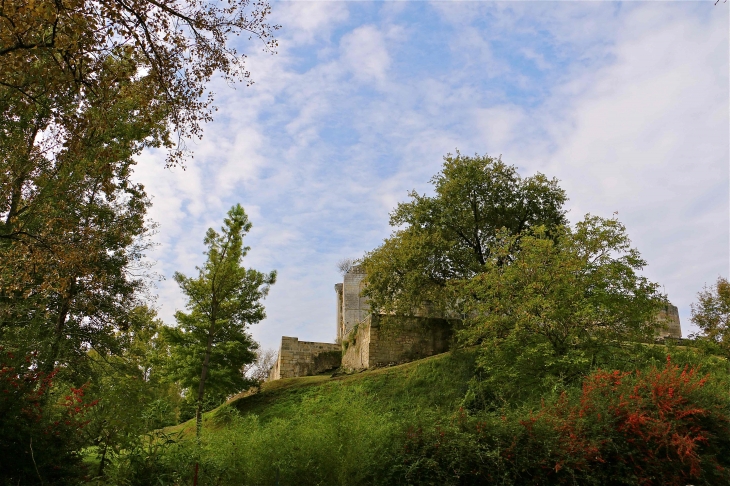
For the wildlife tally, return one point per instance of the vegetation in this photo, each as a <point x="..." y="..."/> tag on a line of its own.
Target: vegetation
<point x="85" y="86"/>
<point x="555" y="378"/>
<point x="661" y="424"/>
<point x="558" y="306"/>
<point x="711" y="314"/>
<point x="450" y="236"/>
<point x="209" y="344"/>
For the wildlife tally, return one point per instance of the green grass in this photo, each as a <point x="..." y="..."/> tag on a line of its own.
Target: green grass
<point x="436" y="385"/>
<point x="331" y="430"/>
<point x="357" y="429"/>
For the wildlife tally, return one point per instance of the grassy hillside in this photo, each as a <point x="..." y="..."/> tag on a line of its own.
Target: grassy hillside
<point x="329" y="430"/>
<point x="404" y="425"/>
<point x="433" y="385"/>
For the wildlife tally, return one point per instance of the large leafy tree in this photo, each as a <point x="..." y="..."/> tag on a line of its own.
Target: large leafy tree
<point x="449" y="236"/>
<point x="73" y="228"/>
<point x="711" y="313"/>
<point x="563" y="304"/>
<point x="52" y="50"/>
<point x="210" y="345"/>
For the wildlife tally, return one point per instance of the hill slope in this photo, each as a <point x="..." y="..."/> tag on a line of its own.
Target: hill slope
<point x="432" y="385"/>
<point x="323" y="429"/>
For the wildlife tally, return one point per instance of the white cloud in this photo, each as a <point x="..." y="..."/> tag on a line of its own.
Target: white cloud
<point x="632" y="117"/>
<point x="304" y="23"/>
<point x="647" y="136"/>
<point x="366" y="54"/>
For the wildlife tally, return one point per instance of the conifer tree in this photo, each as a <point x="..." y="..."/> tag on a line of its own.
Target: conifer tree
<point x="210" y="344"/>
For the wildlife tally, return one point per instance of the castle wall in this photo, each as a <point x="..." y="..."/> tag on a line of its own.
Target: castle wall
<point x="357" y="348"/>
<point x="340" y="321"/>
<point x="382" y="340"/>
<point x="355" y="308"/>
<point x="669" y="323"/>
<point x="304" y="358"/>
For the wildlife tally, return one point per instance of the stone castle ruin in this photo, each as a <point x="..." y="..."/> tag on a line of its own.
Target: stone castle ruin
<point x="368" y="340"/>
<point x="364" y="340"/>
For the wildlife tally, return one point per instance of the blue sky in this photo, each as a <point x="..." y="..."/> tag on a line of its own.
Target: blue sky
<point x="626" y="103"/>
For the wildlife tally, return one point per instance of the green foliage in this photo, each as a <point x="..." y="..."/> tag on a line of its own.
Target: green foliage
<point x="711" y="314"/>
<point x="548" y="309"/>
<point x="84" y="88"/>
<point x="318" y="430"/>
<point x="132" y="394"/>
<point x="450" y="236"/>
<point x="42" y="422"/>
<point x="666" y="425"/>
<point x="210" y="344"/>
<point x="147" y="461"/>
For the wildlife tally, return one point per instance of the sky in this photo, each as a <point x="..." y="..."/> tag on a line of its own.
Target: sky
<point x="627" y="104"/>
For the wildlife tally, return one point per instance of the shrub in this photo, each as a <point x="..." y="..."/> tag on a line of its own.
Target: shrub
<point x="666" y="426"/>
<point x="40" y="423"/>
<point x="663" y="426"/>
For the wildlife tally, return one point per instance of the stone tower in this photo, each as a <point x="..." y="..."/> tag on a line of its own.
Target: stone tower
<point x="352" y="308"/>
<point x="669" y="317"/>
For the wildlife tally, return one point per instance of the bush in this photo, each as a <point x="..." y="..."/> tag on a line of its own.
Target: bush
<point x="667" y="426"/>
<point x="664" y="426"/>
<point x="40" y="424"/>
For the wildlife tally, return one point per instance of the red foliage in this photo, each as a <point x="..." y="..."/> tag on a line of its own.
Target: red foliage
<point x="24" y="388"/>
<point x="653" y="426"/>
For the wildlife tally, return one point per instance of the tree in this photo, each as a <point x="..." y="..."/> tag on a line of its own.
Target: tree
<point x="73" y="228"/>
<point x="84" y="87"/>
<point x="563" y="304"/>
<point x="132" y="394"/>
<point x="711" y="313"/>
<point x="344" y="265"/>
<point x="51" y="51"/>
<point x="210" y="345"/>
<point x="259" y="370"/>
<point x="449" y="236"/>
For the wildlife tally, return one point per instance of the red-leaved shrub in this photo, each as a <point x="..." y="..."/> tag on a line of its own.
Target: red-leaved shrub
<point x="660" y="427"/>
<point x="39" y="429"/>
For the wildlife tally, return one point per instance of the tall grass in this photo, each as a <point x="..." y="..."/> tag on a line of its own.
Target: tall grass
<point x="405" y="425"/>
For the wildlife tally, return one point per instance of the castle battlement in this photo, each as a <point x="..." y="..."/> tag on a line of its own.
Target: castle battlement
<point x="366" y="340"/>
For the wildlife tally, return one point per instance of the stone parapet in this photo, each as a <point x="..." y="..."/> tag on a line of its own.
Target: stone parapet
<point x="304" y="358"/>
<point x="382" y="340"/>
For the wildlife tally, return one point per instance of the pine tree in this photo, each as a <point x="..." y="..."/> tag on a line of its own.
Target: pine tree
<point x="210" y="344"/>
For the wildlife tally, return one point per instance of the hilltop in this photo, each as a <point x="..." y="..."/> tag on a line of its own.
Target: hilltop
<point x="436" y="385"/>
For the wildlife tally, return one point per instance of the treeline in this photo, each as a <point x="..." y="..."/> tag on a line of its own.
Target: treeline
<point x="85" y="86"/>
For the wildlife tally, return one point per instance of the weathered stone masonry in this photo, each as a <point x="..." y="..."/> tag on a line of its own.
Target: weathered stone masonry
<point x="670" y="318"/>
<point x="303" y="358"/>
<point x="382" y="340"/>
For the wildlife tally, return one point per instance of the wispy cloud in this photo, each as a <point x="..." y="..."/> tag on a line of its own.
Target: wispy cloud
<point x="627" y="104"/>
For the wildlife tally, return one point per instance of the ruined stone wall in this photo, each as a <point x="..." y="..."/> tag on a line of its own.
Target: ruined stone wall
<point x="669" y="322"/>
<point x="382" y="340"/>
<point x="304" y="358"/>
<point x="355" y="308"/>
<point x="357" y="347"/>
<point x="340" y="321"/>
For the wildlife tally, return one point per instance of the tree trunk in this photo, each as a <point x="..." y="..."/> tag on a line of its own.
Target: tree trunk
<point x="103" y="458"/>
<point x="201" y="386"/>
<point x="50" y="363"/>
